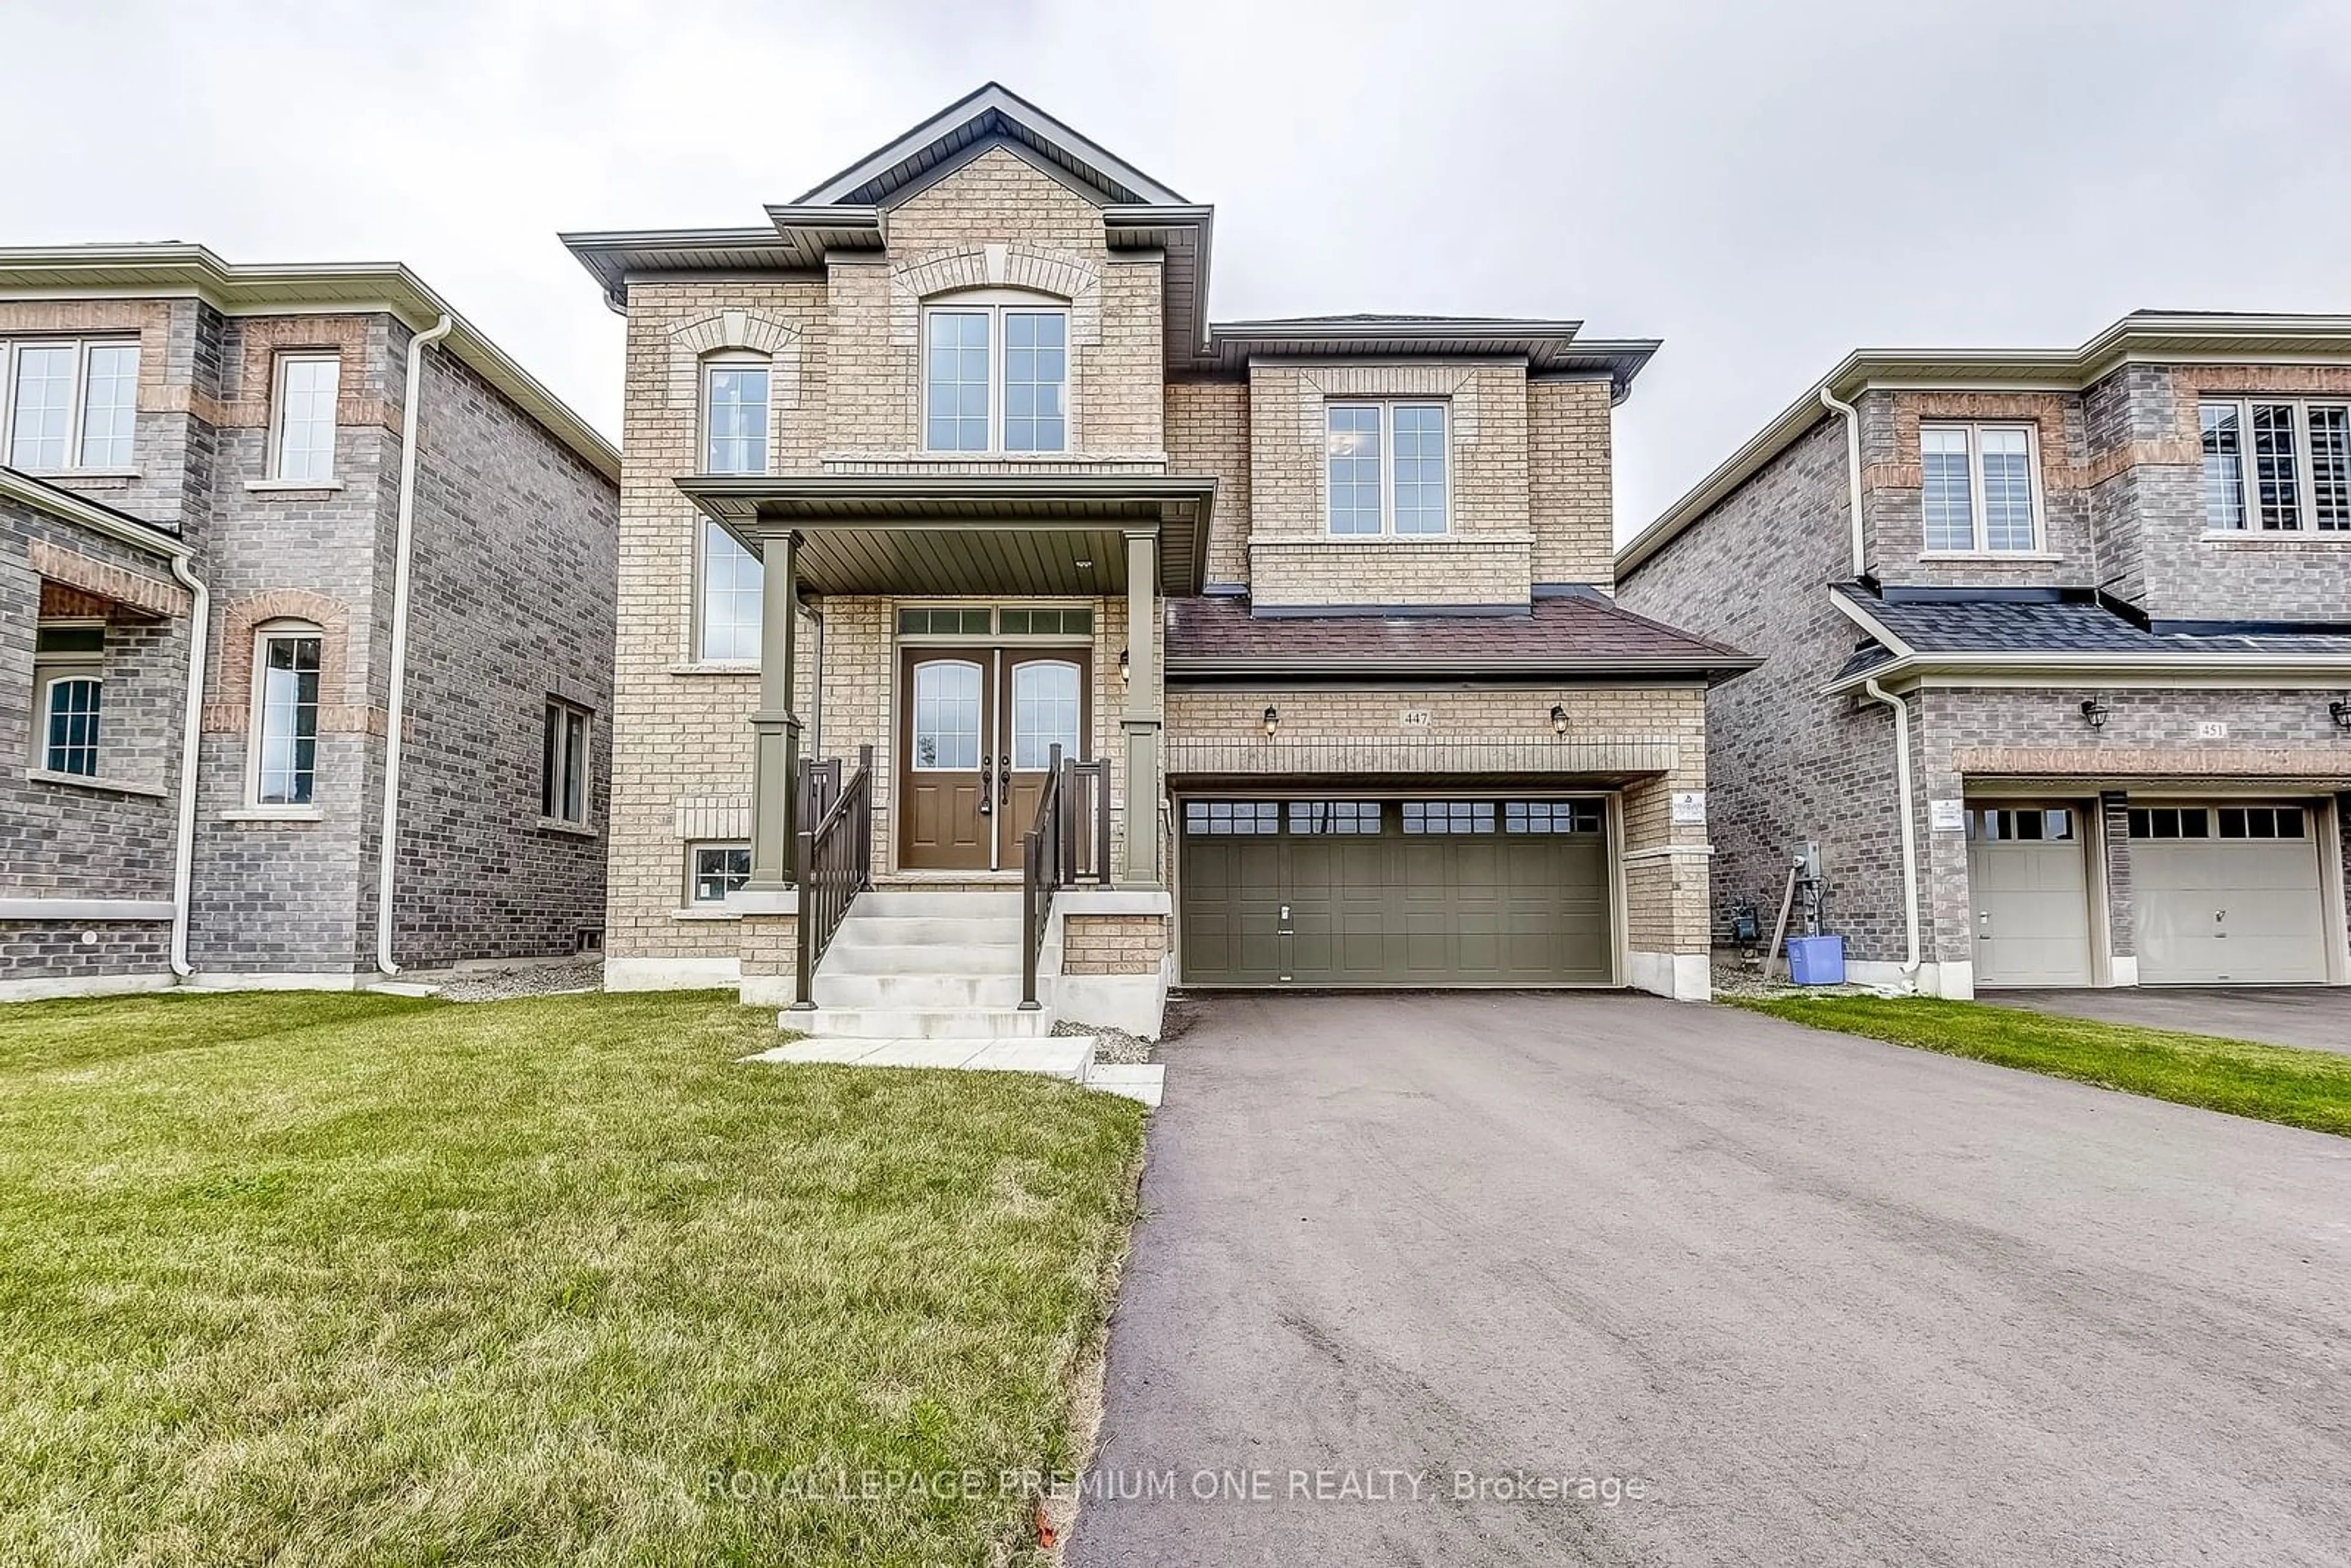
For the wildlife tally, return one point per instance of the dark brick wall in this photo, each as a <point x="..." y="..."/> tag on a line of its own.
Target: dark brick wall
<point x="1785" y="763"/>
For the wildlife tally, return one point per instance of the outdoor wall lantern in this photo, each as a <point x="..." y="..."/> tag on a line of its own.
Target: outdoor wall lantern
<point x="1558" y="718"/>
<point x="2094" y="713"/>
<point x="1122" y="675"/>
<point x="1272" y="720"/>
<point x="2339" y="710"/>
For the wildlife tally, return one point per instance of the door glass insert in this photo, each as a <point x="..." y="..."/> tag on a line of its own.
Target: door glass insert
<point x="947" y="715"/>
<point x="1044" y="712"/>
<point x="1551" y="816"/>
<point x="1217" y="819"/>
<point x="1334" y="815"/>
<point x="1449" y="816"/>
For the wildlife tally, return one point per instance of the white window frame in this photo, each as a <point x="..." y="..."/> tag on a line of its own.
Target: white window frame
<point x="76" y="403"/>
<point x="1978" y="548"/>
<point x="258" y="717"/>
<point x="996" y="305"/>
<point x="693" y="851"/>
<point x="706" y="531"/>
<point x="276" y="458"/>
<point x="48" y="669"/>
<point x="52" y="677"/>
<point x="555" y="765"/>
<point x="2249" y="485"/>
<point x="1388" y="407"/>
<point x="735" y="359"/>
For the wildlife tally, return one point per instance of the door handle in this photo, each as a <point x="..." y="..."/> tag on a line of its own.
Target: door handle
<point x="986" y="796"/>
<point x="1004" y="780"/>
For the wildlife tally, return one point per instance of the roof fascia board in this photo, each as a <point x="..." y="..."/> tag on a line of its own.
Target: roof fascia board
<point x="2041" y="668"/>
<point x="1871" y="624"/>
<point x="70" y="507"/>
<point x="991" y="96"/>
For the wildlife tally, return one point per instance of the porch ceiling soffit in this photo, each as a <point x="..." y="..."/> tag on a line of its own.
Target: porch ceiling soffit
<point x="949" y="534"/>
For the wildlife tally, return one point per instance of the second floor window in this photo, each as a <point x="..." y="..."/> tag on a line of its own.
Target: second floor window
<point x="68" y="680"/>
<point x="1388" y="468"/>
<point x="302" y="431"/>
<point x="2281" y="466"/>
<point x="1977" y="484"/>
<point x="70" y="406"/>
<point x="996" y="378"/>
<point x="285" y="714"/>
<point x="735" y="416"/>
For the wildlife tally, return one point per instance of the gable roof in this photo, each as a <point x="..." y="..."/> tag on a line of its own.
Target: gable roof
<point x="2158" y="337"/>
<point x="992" y="116"/>
<point x="172" y="269"/>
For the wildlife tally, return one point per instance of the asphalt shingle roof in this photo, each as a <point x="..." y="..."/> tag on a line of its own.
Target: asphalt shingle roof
<point x="2077" y="626"/>
<point x="1576" y="629"/>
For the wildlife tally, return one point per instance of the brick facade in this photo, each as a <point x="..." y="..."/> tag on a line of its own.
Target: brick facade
<point x="2121" y="508"/>
<point x="512" y="603"/>
<point x="1529" y="485"/>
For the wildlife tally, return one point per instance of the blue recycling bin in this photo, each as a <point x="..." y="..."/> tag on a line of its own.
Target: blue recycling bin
<point x="1816" y="960"/>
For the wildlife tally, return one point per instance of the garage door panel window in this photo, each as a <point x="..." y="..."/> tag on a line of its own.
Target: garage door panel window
<point x="2260" y="821"/>
<point x="1449" y="816"/>
<point x="1552" y="816"/>
<point x="1334" y="815"/>
<point x="2004" y="825"/>
<point x="1221" y="819"/>
<point x="2170" y="822"/>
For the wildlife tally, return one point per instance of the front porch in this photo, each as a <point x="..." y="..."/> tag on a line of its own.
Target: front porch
<point x="961" y="700"/>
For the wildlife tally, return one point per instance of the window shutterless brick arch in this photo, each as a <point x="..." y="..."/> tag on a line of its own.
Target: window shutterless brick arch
<point x="746" y="331"/>
<point x="342" y="710"/>
<point x="361" y="398"/>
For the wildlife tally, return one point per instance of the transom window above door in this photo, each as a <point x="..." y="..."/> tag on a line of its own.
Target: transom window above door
<point x="1388" y="468"/>
<point x="996" y="378"/>
<point x="2281" y="466"/>
<point x="1977" y="488"/>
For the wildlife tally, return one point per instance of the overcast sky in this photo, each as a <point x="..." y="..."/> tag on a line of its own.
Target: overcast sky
<point x="1763" y="186"/>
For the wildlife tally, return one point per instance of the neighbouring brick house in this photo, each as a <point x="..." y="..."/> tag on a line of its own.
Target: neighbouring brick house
<point x="206" y="463"/>
<point x="943" y="465"/>
<point x="2098" y="600"/>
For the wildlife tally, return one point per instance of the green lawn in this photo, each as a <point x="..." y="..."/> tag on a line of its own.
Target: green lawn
<point x="332" y="1280"/>
<point x="2270" y="1082"/>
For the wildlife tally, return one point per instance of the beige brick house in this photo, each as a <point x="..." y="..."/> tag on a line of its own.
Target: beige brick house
<point x="1316" y="613"/>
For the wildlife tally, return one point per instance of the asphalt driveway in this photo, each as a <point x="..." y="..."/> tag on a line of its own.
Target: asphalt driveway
<point x="1825" y="1301"/>
<point x="2316" y="1017"/>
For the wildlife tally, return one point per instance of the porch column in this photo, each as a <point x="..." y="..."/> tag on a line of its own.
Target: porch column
<point x="775" y="728"/>
<point x="1142" y="717"/>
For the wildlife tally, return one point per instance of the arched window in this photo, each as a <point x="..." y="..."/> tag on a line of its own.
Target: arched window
<point x="996" y="373"/>
<point x="735" y="412"/>
<point x="283" y="767"/>
<point x="69" y="724"/>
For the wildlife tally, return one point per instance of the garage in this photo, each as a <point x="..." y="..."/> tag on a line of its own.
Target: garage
<point x="2028" y="876"/>
<point x="1422" y="891"/>
<point x="2228" y="894"/>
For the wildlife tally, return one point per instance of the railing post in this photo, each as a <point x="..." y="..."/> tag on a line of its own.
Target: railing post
<point x="865" y="815"/>
<point x="1102" y="825"/>
<point x="804" y="925"/>
<point x="1028" y="851"/>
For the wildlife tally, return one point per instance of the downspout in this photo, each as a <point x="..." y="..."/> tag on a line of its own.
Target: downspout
<point x="387" y="850"/>
<point x="1909" y="825"/>
<point x="1852" y="474"/>
<point x="183" y="858"/>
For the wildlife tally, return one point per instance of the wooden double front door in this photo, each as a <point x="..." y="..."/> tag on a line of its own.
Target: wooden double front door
<point x="976" y="728"/>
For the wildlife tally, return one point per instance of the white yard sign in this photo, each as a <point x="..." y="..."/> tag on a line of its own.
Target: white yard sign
<point x="1947" y="816"/>
<point x="1689" y="805"/>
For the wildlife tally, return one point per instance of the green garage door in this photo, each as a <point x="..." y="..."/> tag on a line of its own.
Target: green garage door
<point x="1394" y="892"/>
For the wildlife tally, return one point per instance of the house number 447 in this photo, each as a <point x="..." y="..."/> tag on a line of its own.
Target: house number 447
<point x="1413" y="718"/>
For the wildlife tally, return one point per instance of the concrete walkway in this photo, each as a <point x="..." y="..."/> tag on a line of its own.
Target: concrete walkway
<point x="1828" y="1302"/>
<point x="2316" y="1017"/>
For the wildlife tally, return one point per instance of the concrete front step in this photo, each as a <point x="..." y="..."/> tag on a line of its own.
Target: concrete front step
<point x="921" y="958"/>
<point x="921" y="1023"/>
<point x="898" y="903"/>
<point x="1069" y="1056"/>
<point x="1144" y="1081"/>
<point x="924" y="992"/>
<point x="862" y="930"/>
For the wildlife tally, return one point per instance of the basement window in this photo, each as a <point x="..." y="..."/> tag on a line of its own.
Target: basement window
<point x="714" y="871"/>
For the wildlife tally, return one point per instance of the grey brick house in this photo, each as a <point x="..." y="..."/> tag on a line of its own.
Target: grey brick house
<point x="942" y="465"/>
<point x="227" y="580"/>
<point x="2057" y="654"/>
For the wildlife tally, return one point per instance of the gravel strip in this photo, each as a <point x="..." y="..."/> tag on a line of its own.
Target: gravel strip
<point x="521" y="981"/>
<point x="1114" y="1046"/>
